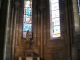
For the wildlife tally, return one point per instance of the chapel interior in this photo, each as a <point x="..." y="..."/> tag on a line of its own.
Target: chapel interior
<point x="18" y="43"/>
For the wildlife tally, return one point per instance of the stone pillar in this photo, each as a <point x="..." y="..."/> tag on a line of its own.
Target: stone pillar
<point x="16" y="4"/>
<point x="5" y="56"/>
<point x="41" y="7"/>
<point x="76" y="15"/>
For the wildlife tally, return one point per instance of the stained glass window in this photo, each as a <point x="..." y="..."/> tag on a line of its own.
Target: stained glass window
<point x="54" y="19"/>
<point x="27" y="18"/>
<point x="79" y="6"/>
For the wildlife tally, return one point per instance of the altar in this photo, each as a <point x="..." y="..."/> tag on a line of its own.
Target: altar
<point x="29" y="54"/>
<point x="28" y="58"/>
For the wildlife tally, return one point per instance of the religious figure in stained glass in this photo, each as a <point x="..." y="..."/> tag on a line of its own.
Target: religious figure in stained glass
<point x="27" y="18"/>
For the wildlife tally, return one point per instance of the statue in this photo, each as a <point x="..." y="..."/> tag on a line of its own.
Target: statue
<point x="29" y="41"/>
<point x="28" y="51"/>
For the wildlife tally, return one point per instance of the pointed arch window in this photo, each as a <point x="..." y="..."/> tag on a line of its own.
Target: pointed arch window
<point x="27" y="18"/>
<point x="54" y="19"/>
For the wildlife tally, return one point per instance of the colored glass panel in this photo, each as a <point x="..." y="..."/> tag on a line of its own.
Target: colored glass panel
<point x="27" y="27"/>
<point x="55" y="13"/>
<point x="54" y="19"/>
<point x="55" y="6"/>
<point x="27" y="18"/>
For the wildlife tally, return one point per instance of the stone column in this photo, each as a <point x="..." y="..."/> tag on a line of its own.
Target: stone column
<point x="69" y="26"/>
<point x="5" y="57"/>
<point x="41" y="7"/>
<point x="16" y="4"/>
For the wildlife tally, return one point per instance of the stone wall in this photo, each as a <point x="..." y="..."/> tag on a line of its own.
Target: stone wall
<point x="55" y="49"/>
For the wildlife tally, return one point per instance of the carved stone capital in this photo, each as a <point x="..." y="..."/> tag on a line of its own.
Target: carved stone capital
<point x="17" y="4"/>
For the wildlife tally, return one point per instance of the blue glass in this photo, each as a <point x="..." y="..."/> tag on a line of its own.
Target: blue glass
<point x="28" y="11"/>
<point x="27" y="27"/>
